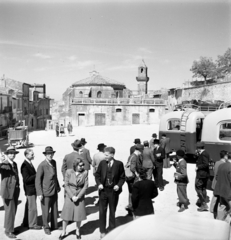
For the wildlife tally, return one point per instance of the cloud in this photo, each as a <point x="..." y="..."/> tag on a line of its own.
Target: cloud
<point x="41" y="55"/>
<point x="72" y="58"/>
<point x="40" y="69"/>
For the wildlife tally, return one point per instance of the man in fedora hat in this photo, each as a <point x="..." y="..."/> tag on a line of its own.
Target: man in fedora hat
<point x="9" y="189"/>
<point x="72" y="157"/>
<point x="98" y="157"/>
<point x="202" y="175"/>
<point x="132" y="148"/>
<point x="47" y="188"/>
<point x="85" y="154"/>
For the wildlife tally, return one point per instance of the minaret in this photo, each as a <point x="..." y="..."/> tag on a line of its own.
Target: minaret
<point x="142" y="78"/>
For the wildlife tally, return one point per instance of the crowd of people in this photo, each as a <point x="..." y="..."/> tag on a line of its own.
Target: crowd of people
<point x="143" y="174"/>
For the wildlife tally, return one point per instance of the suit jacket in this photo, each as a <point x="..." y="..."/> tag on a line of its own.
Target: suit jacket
<point x="76" y="185"/>
<point x="118" y="175"/>
<point x="202" y="164"/>
<point x="151" y="144"/>
<point x="165" y="144"/>
<point x="28" y="175"/>
<point x="159" y="160"/>
<point x="46" y="181"/>
<point x="97" y="158"/>
<point x="9" y="179"/>
<point x="217" y="164"/>
<point x="148" y="158"/>
<point x="223" y="185"/>
<point x="135" y="163"/>
<point x="142" y="194"/>
<point x="85" y="154"/>
<point x="68" y="161"/>
<point x="181" y="172"/>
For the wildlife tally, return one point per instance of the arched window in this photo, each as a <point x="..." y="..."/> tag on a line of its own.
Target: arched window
<point x="118" y="110"/>
<point x="99" y="94"/>
<point x="117" y="94"/>
<point x="151" y="110"/>
<point x="81" y="94"/>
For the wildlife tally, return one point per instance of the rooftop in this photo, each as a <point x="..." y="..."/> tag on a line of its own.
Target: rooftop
<point x="97" y="79"/>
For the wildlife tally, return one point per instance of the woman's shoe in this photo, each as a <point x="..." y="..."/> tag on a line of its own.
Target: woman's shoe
<point x="78" y="236"/>
<point x="61" y="237"/>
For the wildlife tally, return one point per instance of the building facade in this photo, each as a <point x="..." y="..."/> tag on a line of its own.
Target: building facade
<point x="99" y="100"/>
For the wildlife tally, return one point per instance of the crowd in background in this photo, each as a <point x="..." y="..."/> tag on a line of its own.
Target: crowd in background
<point x="143" y="174"/>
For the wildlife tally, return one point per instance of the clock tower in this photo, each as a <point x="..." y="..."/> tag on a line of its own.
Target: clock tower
<point x="142" y="78"/>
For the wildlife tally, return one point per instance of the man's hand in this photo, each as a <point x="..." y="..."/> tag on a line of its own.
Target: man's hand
<point x="40" y="197"/>
<point x="75" y="199"/>
<point x="116" y="188"/>
<point x="100" y="187"/>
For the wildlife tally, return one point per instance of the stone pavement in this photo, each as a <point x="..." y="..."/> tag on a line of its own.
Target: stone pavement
<point x="120" y="137"/>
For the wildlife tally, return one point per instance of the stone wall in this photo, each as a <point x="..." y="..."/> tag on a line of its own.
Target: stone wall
<point x="113" y="117"/>
<point x="218" y="91"/>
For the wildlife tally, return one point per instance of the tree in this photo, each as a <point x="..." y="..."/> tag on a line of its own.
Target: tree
<point x="224" y="63"/>
<point x="205" y="67"/>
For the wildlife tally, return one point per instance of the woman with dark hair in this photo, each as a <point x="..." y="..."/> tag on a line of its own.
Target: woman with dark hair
<point x="76" y="184"/>
<point x="143" y="192"/>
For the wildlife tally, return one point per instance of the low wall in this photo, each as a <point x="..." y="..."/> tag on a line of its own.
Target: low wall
<point x="217" y="91"/>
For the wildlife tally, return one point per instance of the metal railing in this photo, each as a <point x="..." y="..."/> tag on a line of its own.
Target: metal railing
<point x="116" y="101"/>
<point x="205" y="108"/>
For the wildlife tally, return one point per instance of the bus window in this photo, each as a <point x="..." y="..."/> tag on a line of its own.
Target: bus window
<point x="173" y="124"/>
<point x="225" y="131"/>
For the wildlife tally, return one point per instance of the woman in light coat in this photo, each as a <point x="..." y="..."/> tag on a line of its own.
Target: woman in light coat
<point x="76" y="184"/>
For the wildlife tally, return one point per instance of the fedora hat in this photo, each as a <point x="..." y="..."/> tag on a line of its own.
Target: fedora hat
<point x="77" y="144"/>
<point x="101" y="146"/>
<point x="11" y="149"/>
<point x="154" y="135"/>
<point x="48" y="150"/>
<point x="137" y="141"/>
<point x="83" y="141"/>
<point x="180" y="153"/>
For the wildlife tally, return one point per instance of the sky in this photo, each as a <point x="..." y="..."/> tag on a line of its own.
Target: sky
<point x="60" y="42"/>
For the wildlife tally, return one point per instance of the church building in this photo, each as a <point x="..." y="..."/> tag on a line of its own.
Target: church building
<point x="98" y="100"/>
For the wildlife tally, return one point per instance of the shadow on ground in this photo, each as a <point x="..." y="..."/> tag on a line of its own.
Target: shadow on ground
<point x="91" y="190"/>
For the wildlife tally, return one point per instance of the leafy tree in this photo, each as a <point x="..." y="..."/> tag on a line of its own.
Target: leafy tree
<point x="224" y="63"/>
<point x="205" y="67"/>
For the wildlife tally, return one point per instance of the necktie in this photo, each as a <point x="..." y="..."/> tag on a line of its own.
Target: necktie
<point x="109" y="165"/>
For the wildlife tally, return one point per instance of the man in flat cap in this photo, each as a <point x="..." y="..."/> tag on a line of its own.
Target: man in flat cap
<point x="9" y="189"/>
<point x="181" y="179"/>
<point x="202" y="175"/>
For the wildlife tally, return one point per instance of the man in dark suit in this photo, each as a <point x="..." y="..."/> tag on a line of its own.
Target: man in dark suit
<point x="110" y="178"/>
<point x="159" y="156"/>
<point x="47" y="188"/>
<point x="133" y="148"/>
<point x="72" y="157"/>
<point x="28" y="174"/>
<point x="202" y="175"/>
<point x="9" y="189"/>
<point x="85" y="154"/>
<point x="148" y="160"/>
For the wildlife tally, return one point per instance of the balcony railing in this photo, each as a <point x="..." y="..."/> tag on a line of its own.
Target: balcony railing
<point x="116" y="101"/>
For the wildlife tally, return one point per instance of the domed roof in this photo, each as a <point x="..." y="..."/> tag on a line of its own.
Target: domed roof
<point x="96" y="79"/>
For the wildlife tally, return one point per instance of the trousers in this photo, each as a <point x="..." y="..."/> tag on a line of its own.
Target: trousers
<point x="30" y="213"/>
<point x="107" y="197"/>
<point x="47" y="204"/>
<point x="200" y="186"/>
<point x="10" y="206"/>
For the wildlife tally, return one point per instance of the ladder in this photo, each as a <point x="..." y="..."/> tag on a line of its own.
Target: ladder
<point x="183" y="123"/>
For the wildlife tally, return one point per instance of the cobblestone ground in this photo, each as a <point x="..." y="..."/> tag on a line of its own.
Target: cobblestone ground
<point x="120" y="137"/>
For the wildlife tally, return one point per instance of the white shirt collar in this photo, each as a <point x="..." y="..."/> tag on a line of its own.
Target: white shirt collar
<point x="180" y="160"/>
<point x="49" y="163"/>
<point x="28" y="161"/>
<point x="10" y="161"/>
<point x="111" y="162"/>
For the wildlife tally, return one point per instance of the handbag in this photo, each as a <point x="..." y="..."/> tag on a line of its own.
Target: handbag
<point x="129" y="175"/>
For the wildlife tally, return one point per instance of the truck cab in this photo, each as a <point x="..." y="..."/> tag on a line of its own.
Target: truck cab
<point x="184" y="129"/>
